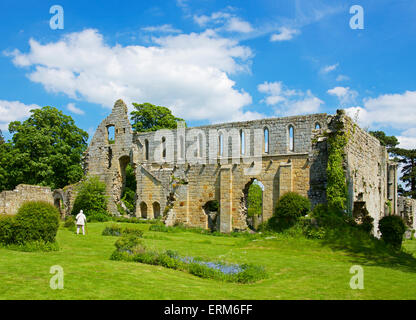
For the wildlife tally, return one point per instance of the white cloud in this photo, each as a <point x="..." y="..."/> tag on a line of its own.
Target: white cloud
<point x="14" y="111"/>
<point x="394" y="110"/>
<point x="345" y="95"/>
<point x="329" y="68"/>
<point x="166" y="28"/>
<point x="188" y="72"/>
<point x="288" y="101"/>
<point x="284" y="35"/>
<point x="71" y="107"/>
<point x="224" y="21"/>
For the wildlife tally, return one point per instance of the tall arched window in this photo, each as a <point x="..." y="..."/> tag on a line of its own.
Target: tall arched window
<point x="266" y="140"/>
<point x="146" y="149"/>
<point x="242" y="142"/>
<point x="181" y="148"/>
<point x="291" y="138"/>
<point x="163" y="147"/>
<point x="200" y="145"/>
<point x="317" y="126"/>
<point x="221" y="145"/>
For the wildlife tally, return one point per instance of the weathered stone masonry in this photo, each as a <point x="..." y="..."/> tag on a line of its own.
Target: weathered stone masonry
<point x="176" y="173"/>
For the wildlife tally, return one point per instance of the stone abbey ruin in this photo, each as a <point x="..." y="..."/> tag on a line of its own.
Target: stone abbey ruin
<point x="179" y="171"/>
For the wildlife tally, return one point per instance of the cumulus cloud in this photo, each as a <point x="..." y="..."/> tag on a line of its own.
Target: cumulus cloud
<point x="284" y="34"/>
<point x="187" y="72"/>
<point x="345" y="95"/>
<point x="394" y="110"/>
<point x="14" y="111"/>
<point x="71" y="107"/>
<point x="288" y="101"/>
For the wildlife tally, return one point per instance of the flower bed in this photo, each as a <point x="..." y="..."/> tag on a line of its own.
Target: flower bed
<point x="118" y="231"/>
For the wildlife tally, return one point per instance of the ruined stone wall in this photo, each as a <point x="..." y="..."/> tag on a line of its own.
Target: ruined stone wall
<point x="367" y="170"/>
<point x="179" y="171"/>
<point x="406" y="208"/>
<point x="108" y="161"/>
<point x="10" y="201"/>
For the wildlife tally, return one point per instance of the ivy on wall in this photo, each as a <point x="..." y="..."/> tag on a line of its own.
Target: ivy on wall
<point x="337" y="191"/>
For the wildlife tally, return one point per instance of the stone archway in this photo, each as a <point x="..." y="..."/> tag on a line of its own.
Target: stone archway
<point x="143" y="210"/>
<point x="251" y="203"/>
<point x="156" y="210"/>
<point x="58" y="201"/>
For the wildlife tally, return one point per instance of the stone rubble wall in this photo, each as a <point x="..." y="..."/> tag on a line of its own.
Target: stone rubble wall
<point x="10" y="201"/>
<point x="406" y="208"/>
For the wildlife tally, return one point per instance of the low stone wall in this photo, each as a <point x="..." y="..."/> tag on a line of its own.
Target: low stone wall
<point x="10" y="201"/>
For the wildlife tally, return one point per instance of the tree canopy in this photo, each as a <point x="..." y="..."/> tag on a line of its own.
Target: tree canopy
<point x="46" y="149"/>
<point x="387" y="141"/>
<point x="148" y="117"/>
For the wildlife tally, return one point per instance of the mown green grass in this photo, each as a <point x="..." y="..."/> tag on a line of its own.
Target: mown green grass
<point x="298" y="268"/>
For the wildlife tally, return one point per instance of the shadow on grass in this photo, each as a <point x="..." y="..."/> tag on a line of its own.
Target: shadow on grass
<point x="369" y="251"/>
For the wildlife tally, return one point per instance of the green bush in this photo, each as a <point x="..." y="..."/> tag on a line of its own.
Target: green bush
<point x="392" y="229"/>
<point x="98" y="217"/>
<point x="36" y="220"/>
<point x="290" y="207"/>
<point x="92" y="199"/>
<point x="32" y="246"/>
<point x="116" y="230"/>
<point x="8" y="229"/>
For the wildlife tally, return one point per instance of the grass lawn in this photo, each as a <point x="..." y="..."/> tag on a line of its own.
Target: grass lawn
<point x="298" y="268"/>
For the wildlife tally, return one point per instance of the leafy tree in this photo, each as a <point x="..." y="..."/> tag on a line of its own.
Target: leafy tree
<point x="91" y="198"/>
<point x="148" y="117"/>
<point x="254" y="200"/>
<point x="45" y="149"/>
<point x="388" y="141"/>
<point x="408" y="159"/>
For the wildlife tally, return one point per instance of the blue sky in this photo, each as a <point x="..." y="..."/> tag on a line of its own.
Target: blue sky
<point x="212" y="61"/>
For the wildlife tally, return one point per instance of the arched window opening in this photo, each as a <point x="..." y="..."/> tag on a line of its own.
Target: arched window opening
<point x="143" y="209"/>
<point x="163" y="147"/>
<point x="242" y="142"/>
<point x="146" y="149"/>
<point x="221" y="145"/>
<point x="181" y="148"/>
<point x="266" y="140"/>
<point x="291" y="138"/>
<point x="200" y="145"/>
<point x="111" y="134"/>
<point x="317" y="126"/>
<point x="156" y="210"/>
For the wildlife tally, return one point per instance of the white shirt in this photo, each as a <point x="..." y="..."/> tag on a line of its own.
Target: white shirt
<point x="81" y="219"/>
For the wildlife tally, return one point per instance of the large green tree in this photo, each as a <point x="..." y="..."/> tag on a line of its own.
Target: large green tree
<point x="148" y="117"/>
<point x="45" y="149"/>
<point x="388" y="141"/>
<point x="408" y="160"/>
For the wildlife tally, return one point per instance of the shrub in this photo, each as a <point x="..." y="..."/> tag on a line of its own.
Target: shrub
<point x="98" y="217"/>
<point x="290" y="207"/>
<point x="91" y="199"/>
<point x="392" y="229"/>
<point x="36" y="220"/>
<point x="8" y="229"/>
<point x="32" y="246"/>
<point x="116" y="230"/>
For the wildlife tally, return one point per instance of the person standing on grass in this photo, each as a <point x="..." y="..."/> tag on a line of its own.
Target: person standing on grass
<point x="81" y="221"/>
